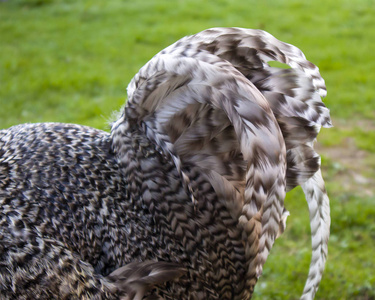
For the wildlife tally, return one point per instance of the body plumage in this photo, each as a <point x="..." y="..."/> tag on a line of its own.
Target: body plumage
<point x="185" y="197"/>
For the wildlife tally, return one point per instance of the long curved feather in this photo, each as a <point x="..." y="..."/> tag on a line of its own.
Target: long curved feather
<point x="294" y="96"/>
<point x="247" y="170"/>
<point x="318" y="202"/>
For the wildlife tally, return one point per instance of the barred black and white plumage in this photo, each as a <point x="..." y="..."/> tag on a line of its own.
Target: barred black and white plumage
<point x="185" y="197"/>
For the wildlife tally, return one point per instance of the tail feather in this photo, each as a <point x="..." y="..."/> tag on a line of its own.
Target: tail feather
<point x="318" y="202"/>
<point x="227" y="129"/>
<point x="294" y="94"/>
<point x="212" y="100"/>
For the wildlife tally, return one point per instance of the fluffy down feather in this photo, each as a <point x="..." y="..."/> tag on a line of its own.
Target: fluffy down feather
<point x="185" y="198"/>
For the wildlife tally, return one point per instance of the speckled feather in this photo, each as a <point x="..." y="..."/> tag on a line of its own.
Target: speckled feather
<point x="185" y="198"/>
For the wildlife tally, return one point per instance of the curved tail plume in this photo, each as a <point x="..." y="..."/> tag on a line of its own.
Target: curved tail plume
<point x="185" y="198"/>
<point x="318" y="202"/>
<point x="223" y="74"/>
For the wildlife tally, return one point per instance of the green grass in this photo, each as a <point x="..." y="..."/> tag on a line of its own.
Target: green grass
<point x="70" y="61"/>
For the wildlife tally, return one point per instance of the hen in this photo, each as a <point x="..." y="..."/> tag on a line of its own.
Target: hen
<point x="185" y="197"/>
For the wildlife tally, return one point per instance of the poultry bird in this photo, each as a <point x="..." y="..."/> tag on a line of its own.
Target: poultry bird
<point x="184" y="198"/>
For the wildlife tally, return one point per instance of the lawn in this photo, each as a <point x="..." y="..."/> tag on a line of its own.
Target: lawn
<point x="70" y="61"/>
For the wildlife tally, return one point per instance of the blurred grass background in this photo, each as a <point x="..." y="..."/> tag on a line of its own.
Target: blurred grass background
<point x="70" y="61"/>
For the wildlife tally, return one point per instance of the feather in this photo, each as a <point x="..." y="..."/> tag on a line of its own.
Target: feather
<point x="133" y="280"/>
<point x="248" y="169"/>
<point x="293" y="94"/>
<point x="185" y="197"/>
<point x="320" y="221"/>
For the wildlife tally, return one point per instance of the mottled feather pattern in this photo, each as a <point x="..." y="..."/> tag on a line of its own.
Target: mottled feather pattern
<point x="64" y="220"/>
<point x="136" y="278"/>
<point x="293" y="94"/>
<point x="185" y="197"/>
<point x="253" y="123"/>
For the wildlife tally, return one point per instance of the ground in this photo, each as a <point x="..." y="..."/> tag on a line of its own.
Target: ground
<point x="70" y="61"/>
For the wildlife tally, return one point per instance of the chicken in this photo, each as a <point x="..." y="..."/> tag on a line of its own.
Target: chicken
<point x="185" y="197"/>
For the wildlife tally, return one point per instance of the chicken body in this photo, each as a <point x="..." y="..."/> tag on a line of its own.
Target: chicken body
<point x="70" y="215"/>
<point x="185" y="197"/>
